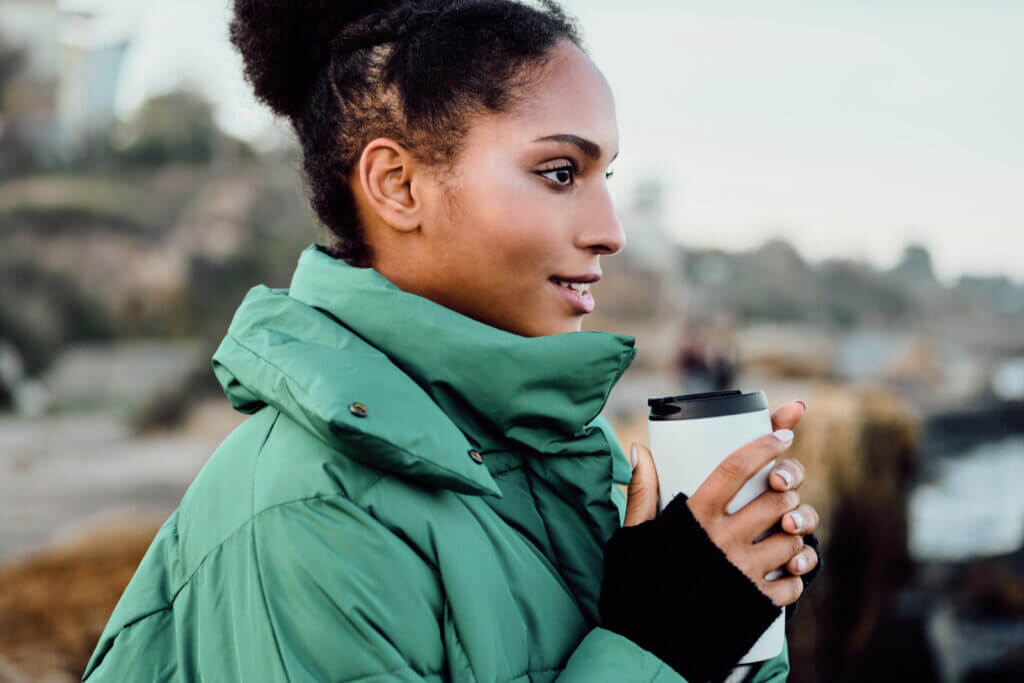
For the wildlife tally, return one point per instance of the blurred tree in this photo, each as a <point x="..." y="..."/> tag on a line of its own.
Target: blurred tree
<point x="11" y="60"/>
<point x="177" y="126"/>
<point x="915" y="264"/>
<point x="15" y="154"/>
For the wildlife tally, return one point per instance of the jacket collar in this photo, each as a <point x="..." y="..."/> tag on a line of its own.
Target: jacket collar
<point x="540" y="392"/>
<point x="436" y="383"/>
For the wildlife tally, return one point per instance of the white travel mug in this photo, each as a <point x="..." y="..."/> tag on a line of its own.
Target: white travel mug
<point x="689" y="436"/>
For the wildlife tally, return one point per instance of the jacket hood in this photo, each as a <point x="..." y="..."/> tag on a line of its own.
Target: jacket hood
<point x="435" y="383"/>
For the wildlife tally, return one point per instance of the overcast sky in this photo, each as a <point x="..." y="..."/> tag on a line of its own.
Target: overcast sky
<point x="848" y="127"/>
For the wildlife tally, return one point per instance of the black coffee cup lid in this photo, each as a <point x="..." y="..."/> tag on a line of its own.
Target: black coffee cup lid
<point x="707" y="404"/>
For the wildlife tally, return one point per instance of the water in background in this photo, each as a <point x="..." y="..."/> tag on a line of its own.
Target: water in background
<point x="973" y="507"/>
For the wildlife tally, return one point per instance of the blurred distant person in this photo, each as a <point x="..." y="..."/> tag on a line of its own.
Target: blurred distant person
<point x="691" y="363"/>
<point x="722" y="354"/>
<point x="722" y="372"/>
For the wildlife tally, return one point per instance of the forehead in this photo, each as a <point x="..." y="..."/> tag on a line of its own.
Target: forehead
<point x="569" y="95"/>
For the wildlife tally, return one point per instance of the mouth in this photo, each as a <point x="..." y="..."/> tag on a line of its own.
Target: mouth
<point x="576" y="291"/>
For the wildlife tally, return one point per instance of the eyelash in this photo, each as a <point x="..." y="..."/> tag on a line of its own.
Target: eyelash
<point x="572" y="168"/>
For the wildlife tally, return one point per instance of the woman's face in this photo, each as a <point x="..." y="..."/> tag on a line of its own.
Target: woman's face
<point x="527" y="204"/>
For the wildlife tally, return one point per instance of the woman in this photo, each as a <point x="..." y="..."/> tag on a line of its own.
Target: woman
<point x="425" y="489"/>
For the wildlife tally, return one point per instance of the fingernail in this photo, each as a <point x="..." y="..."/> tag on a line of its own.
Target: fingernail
<point x="798" y="520"/>
<point x="633" y="454"/>
<point x="787" y="476"/>
<point x="784" y="435"/>
<point x="803" y="403"/>
<point x="801" y="563"/>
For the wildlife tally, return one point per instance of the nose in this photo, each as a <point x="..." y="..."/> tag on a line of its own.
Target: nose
<point x="602" y="232"/>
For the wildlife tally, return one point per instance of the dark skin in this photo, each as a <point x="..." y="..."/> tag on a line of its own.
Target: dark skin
<point x="735" y="533"/>
<point x="486" y="236"/>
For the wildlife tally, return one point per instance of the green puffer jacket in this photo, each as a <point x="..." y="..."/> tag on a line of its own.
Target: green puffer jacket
<point x="416" y="496"/>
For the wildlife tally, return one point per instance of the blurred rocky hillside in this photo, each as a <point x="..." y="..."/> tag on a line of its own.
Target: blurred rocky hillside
<point x="155" y="229"/>
<point x="773" y="282"/>
<point x="159" y="252"/>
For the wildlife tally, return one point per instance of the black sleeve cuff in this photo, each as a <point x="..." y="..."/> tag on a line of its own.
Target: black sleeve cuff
<point x="673" y="592"/>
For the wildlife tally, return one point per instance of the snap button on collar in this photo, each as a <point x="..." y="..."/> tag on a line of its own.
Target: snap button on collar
<point x="477" y="458"/>
<point x="358" y="409"/>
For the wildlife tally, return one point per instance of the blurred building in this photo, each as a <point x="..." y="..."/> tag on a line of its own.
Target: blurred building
<point x="92" y="50"/>
<point x="997" y="291"/>
<point x="28" y="100"/>
<point x="64" y="89"/>
<point x="915" y="265"/>
<point x="32" y="25"/>
<point x="649" y="265"/>
<point x="648" y="245"/>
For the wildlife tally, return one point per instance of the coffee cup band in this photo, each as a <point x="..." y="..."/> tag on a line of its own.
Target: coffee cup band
<point x="706" y="404"/>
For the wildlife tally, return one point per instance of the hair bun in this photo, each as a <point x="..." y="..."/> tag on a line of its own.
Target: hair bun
<point x="285" y="43"/>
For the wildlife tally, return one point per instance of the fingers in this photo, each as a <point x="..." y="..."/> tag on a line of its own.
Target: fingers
<point x="722" y="485"/>
<point x="772" y="553"/>
<point x="642" y="494"/>
<point x="788" y="415"/>
<point x="803" y="520"/>
<point x="787" y="474"/>
<point x="805" y="561"/>
<point x="761" y="514"/>
<point x="784" y="591"/>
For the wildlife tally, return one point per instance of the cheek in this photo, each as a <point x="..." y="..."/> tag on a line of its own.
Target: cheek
<point x="504" y="234"/>
<point x="522" y="250"/>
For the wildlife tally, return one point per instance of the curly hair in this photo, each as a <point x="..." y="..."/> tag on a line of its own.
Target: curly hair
<point x="345" y="73"/>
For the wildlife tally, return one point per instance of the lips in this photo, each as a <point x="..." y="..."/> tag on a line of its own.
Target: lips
<point x="585" y="277"/>
<point x="577" y="294"/>
<point x="575" y="286"/>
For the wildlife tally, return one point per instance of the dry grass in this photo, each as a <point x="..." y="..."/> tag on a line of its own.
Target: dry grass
<point x="54" y="604"/>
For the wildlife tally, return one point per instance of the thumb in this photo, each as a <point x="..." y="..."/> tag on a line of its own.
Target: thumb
<point x="642" y="495"/>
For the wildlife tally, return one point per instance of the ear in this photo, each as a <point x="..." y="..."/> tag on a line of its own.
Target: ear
<point x="386" y="172"/>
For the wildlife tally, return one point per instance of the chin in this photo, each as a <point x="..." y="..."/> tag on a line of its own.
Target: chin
<point x="570" y="325"/>
<point x="540" y="325"/>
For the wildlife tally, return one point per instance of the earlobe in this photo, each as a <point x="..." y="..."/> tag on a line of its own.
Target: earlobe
<point x="386" y="171"/>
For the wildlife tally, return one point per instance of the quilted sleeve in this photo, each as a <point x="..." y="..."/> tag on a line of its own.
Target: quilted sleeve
<point x="342" y="597"/>
<point x="605" y="656"/>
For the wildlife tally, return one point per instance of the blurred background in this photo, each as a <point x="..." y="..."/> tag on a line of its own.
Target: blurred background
<point x="822" y="200"/>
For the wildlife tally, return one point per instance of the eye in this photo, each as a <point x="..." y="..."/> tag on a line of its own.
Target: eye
<point x="565" y="176"/>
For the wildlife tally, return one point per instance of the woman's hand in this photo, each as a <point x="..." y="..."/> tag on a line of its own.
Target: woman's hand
<point x="789" y="474"/>
<point x="734" y="534"/>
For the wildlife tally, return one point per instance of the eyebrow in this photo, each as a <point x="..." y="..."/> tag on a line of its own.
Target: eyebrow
<point x="591" y="149"/>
